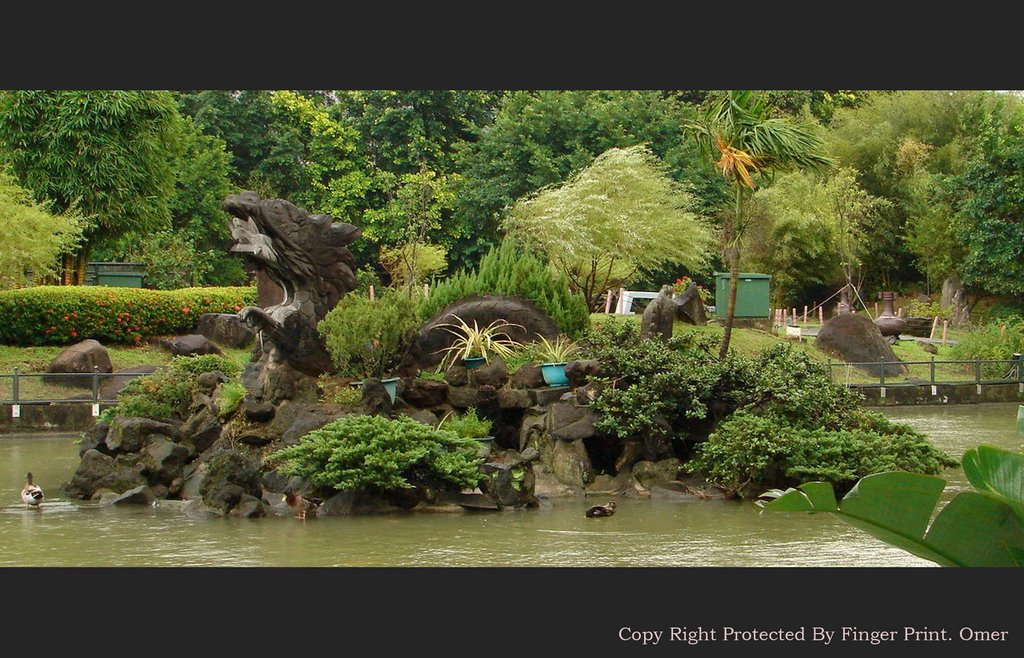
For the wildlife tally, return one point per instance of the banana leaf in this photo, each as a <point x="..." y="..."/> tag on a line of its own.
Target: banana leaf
<point x="974" y="529"/>
<point x="997" y="473"/>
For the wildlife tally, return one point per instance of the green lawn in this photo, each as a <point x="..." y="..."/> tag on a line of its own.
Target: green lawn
<point x="35" y="359"/>
<point x="749" y="342"/>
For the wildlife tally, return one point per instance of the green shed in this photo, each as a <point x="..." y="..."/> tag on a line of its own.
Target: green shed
<point x="121" y="275"/>
<point x="752" y="299"/>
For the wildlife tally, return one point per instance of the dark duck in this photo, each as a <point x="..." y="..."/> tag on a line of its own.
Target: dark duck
<point x="601" y="510"/>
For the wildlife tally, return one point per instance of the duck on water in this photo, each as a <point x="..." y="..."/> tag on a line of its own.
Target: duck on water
<point x="32" y="494"/>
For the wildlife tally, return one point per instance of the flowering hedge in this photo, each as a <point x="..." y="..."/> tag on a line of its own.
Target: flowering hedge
<point x="59" y="315"/>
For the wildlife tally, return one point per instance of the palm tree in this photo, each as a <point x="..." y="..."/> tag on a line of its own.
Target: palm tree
<point x="744" y="141"/>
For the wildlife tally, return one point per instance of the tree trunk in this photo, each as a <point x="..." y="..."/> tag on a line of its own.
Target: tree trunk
<point x="67" y="270"/>
<point x="80" y="262"/>
<point x="734" y="284"/>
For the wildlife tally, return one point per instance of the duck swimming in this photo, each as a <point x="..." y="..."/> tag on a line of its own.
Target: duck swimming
<point x="32" y="494"/>
<point x="601" y="510"/>
<point x="301" y="504"/>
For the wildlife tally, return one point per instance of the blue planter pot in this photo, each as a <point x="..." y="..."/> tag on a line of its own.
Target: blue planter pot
<point x="554" y="374"/>
<point x="473" y="362"/>
<point x="485" y="445"/>
<point x="392" y="387"/>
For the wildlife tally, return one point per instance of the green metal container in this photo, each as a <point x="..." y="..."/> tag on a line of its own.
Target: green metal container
<point x="120" y="279"/>
<point x="752" y="299"/>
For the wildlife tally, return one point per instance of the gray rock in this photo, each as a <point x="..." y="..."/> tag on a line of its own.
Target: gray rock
<point x="580" y="372"/>
<point x="165" y="459"/>
<point x="856" y="339"/>
<point x="190" y="345"/>
<point x="208" y="382"/>
<point x="128" y="434"/>
<point x="201" y="430"/>
<point x="509" y="484"/>
<point x="249" y="507"/>
<point x="494" y="373"/>
<point x="80" y="358"/>
<point x="954" y="299"/>
<point x="425" y="417"/>
<point x="95" y="439"/>
<point x="571" y="463"/>
<point x="690" y="307"/>
<point x="225" y="329"/>
<point x="659" y="316"/>
<point x="463" y="397"/>
<point x="376" y="399"/>
<point x="257" y="411"/>
<point x="513" y="398"/>
<point x="347" y="503"/>
<point x="230" y="476"/>
<point x="650" y="474"/>
<point x="98" y="471"/>
<point x="528" y="376"/>
<point x="425" y="392"/>
<point x="140" y="495"/>
<point x="456" y="375"/>
<point x="545" y="396"/>
<point x="928" y="347"/>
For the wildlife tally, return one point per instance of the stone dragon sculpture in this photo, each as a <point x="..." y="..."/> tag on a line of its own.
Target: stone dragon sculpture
<point x="307" y="255"/>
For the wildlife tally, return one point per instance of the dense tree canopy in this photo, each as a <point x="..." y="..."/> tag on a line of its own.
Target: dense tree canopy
<point x="108" y="154"/>
<point x="621" y="214"/>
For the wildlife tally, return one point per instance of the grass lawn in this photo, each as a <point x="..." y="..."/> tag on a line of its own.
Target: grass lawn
<point x="749" y="342"/>
<point x="35" y="359"/>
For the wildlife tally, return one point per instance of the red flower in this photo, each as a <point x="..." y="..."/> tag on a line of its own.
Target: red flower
<point x="185" y="309"/>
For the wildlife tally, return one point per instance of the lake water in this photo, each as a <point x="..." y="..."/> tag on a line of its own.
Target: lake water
<point x="650" y="533"/>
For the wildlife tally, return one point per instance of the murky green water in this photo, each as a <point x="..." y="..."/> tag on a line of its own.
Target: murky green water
<point x="642" y="533"/>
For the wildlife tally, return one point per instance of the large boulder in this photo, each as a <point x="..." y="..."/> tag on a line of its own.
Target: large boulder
<point x="954" y="298"/>
<point x="85" y="357"/>
<point x="225" y="329"/>
<point x="425" y="393"/>
<point x="129" y="434"/>
<point x="493" y="373"/>
<point x="571" y="464"/>
<point x="98" y="471"/>
<point x="856" y="339"/>
<point x="659" y="316"/>
<point x="230" y="476"/>
<point x="528" y="376"/>
<point x="190" y="345"/>
<point x="690" y="307"/>
<point x="531" y="320"/>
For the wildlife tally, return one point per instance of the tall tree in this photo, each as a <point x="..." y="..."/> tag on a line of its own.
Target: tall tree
<point x="620" y="215"/>
<point x="33" y="238"/>
<point x="541" y="138"/>
<point x="110" y="154"/>
<point x="745" y="141"/>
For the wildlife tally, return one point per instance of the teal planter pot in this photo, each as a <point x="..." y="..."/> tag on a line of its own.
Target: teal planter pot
<point x="485" y="445"/>
<point x="392" y="387"/>
<point x="554" y="374"/>
<point x="473" y="362"/>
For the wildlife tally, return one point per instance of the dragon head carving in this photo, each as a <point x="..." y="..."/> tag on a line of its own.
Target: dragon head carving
<point x="307" y="255"/>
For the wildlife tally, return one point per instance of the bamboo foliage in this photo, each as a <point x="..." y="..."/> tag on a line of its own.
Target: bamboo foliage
<point x="621" y="215"/>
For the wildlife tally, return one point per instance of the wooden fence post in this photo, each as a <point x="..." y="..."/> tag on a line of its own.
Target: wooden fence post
<point x="371" y="293"/>
<point x="945" y="326"/>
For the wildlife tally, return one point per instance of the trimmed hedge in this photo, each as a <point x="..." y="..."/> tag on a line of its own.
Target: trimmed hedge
<point x="62" y="315"/>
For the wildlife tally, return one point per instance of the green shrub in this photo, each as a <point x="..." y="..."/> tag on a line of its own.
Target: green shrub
<point x="229" y="396"/>
<point x="991" y="342"/>
<point x="468" y="425"/>
<point x="509" y="270"/>
<point x="768" y="451"/>
<point x="59" y="315"/>
<point x="379" y="455"/>
<point x="367" y="338"/>
<point x="168" y="393"/>
<point x="928" y="310"/>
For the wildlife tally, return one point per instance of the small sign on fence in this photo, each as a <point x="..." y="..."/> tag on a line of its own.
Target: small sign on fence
<point x="793" y="332"/>
<point x="15" y="411"/>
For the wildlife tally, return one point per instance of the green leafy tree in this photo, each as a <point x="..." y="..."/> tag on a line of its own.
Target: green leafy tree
<point x="989" y="218"/>
<point x="541" y="138"/>
<point x="110" y="154"/>
<point x="745" y="141"/>
<point x="332" y="176"/>
<point x="33" y="238"/>
<point x="618" y="216"/>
